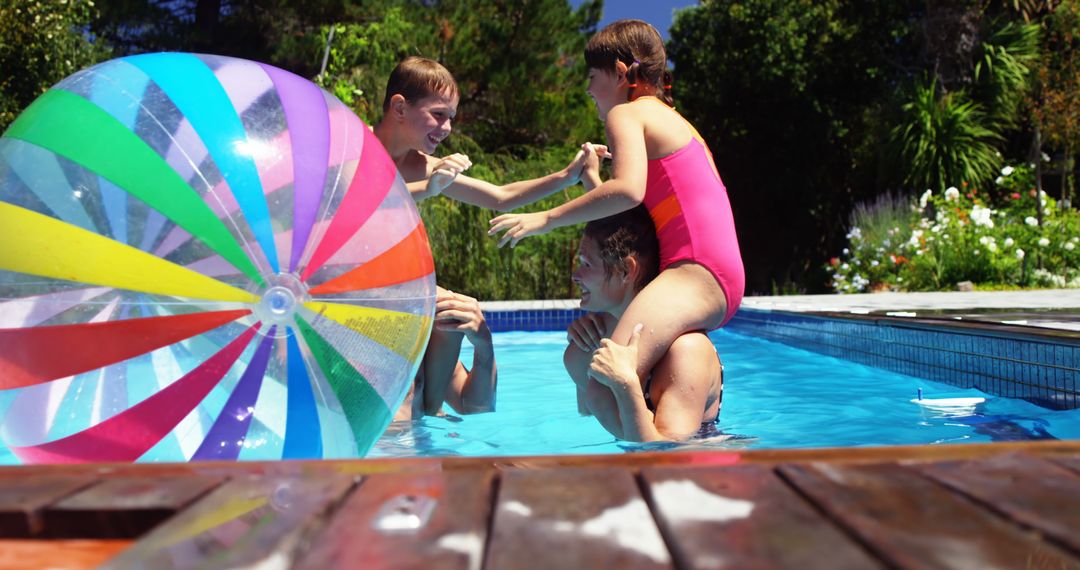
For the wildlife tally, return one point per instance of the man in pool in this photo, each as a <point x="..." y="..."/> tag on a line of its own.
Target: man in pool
<point x="617" y="257"/>
<point x="442" y="378"/>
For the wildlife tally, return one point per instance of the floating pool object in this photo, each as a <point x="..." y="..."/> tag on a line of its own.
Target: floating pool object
<point x="950" y="406"/>
<point x="201" y="258"/>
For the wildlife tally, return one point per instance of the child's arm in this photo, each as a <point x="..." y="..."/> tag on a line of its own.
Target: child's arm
<point x="443" y="173"/>
<point x="515" y="194"/>
<point x="624" y="190"/>
<point x="470" y="391"/>
<point x="613" y="365"/>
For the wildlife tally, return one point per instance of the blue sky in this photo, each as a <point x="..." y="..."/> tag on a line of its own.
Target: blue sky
<point x="655" y="12"/>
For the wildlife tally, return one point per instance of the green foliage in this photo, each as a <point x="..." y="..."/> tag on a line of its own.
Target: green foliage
<point x="792" y="98"/>
<point x="362" y="55"/>
<point x="41" y="42"/>
<point x="467" y="259"/>
<point x="944" y="138"/>
<point x="958" y="235"/>
<point x="1002" y="73"/>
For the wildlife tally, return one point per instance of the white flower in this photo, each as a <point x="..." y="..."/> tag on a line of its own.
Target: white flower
<point x="951" y="193"/>
<point x="846" y="251"/>
<point x="981" y="216"/>
<point x="915" y="235"/>
<point x="1045" y="157"/>
<point x="992" y="247"/>
<point x="1019" y="254"/>
<point x="1006" y="171"/>
<point x="999" y="180"/>
<point x="875" y="263"/>
<point x="1031" y="221"/>
<point x="985" y="240"/>
<point x="1070" y="246"/>
<point x="1075" y="239"/>
<point x="855" y="233"/>
<point x="845" y="267"/>
<point x="977" y="252"/>
<point x="1009" y="242"/>
<point x="926" y="196"/>
<point x="1043" y="242"/>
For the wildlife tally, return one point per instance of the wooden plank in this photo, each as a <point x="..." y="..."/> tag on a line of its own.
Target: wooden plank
<point x="68" y="554"/>
<point x="248" y="521"/>
<point x="1072" y="462"/>
<point x="745" y="517"/>
<point x="123" y="507"/>
<point x="1046" y="448"/>
<point x="914" y="523"/>
<point x="1033" y="491"/>
<point x="22" y="500"/>
<point x="573" y="518"/>
<point x="430" y="520"/>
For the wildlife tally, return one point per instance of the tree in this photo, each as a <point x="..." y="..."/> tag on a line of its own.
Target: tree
<point x="41" y="43"/>
<point x="791" y="97"/>
<point x="1056" y="101"/>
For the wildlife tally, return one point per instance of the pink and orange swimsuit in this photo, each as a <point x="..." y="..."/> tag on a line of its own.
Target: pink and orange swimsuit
<point x="689" y="206"/>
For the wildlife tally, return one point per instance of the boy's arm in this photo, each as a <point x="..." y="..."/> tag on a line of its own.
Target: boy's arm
<point x="472" y="391"/>
<point x="468" y="391"/>
<point x="515" y="194"/>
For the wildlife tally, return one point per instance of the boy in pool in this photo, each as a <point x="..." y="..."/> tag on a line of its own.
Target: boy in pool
<point x="420" y="104"/>
<point x="618" y="256"/>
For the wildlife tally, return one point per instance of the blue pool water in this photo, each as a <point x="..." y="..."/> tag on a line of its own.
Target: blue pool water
<point x="775" y="396"/>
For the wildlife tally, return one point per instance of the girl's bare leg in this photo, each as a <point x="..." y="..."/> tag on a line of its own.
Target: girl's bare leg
<point x="684" y="297"/>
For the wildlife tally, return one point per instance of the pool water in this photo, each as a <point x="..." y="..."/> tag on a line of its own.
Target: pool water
<point x="775" y="396"/>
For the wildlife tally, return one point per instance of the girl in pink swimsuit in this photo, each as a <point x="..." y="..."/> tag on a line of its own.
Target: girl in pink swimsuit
<point x="657" y="158"/>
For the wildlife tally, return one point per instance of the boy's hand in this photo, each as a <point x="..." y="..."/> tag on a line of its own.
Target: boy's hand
<point x="520" y="226"/>
<point x="459" y="313"/>
<point x="445" y="171"/>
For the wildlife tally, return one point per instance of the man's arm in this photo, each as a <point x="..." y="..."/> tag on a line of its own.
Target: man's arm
<point x="680" y="388"/>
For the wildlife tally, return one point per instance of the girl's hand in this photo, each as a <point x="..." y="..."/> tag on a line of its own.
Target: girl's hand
<point x="615" y="365"/>
<point x="587" y="332"/>
<point x="520" y="226"/>
<point x="592" y="156"/>
<point x="444" y="172"/>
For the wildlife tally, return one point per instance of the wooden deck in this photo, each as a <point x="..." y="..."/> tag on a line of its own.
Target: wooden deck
<point x="1004" y="505"/>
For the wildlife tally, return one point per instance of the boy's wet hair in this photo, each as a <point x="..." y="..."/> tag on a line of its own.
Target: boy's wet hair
<point x="415" y="78"/>
<point x="627" y="233"/>
<point x="639" y="46"/>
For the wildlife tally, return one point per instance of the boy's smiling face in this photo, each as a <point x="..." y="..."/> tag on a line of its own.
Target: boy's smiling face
<point x="429" y="120"/>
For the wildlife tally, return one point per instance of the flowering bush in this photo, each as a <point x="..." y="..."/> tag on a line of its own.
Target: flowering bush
<point x="990" y="238"/>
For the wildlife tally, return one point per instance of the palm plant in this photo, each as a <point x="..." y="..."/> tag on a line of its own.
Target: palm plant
<point x="1001" y="73"/>
<point x="942" y="139"/>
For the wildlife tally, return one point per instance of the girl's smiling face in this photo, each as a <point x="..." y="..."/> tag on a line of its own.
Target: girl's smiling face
<point x="600" y="292"/>
<point x="429" y="120"/>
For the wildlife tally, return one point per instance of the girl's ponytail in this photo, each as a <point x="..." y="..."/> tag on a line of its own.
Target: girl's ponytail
<point x="664" y="90"/>
<point x="632" y="77"/>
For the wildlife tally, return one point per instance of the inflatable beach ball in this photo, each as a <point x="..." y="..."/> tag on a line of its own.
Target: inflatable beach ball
<point x="203" y="258"/>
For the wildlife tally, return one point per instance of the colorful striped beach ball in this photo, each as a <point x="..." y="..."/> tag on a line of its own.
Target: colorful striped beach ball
<point x="201" y="258"/>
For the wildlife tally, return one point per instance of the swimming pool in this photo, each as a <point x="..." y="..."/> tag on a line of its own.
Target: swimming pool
<point x="775" y="396"/>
